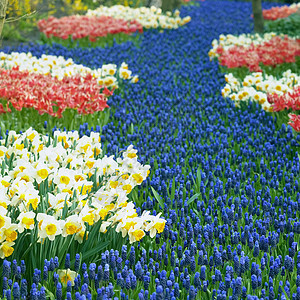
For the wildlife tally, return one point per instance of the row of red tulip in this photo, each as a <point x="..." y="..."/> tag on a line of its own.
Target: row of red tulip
<point x="84" y="26"/>
<point x="276" y="51"/>
<point x="47" y="94"/>
<point x="275" y="13"/>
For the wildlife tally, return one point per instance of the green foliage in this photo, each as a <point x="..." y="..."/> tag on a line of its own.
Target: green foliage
<point x="29" y="117"/>
<point x="11" y="32"/>
<point x="289" y="25"/>
<point x="276" y="71"/>
<point x="108" y="40"/>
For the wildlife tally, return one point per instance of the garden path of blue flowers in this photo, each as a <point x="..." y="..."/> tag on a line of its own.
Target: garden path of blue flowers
<point x="239" y="235"/>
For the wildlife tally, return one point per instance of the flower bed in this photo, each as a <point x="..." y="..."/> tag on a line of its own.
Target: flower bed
<point x="56" y="87"/>
<point x="48" y="95"/>
<point x="281" y="12"/>
<point x="288" y="100"/>
<point x="147" y="17"/>
<point x="225" y="42"/>
<point x="276" y="50"/>
<point x="257" y="86"/>
<point x="295" y="122"/>
<point x="289" y="25"/>
<point x="105" y="25"/>
<point x="78" y="27"/>
<point x="225" y="179"/>
<point x="64" y="187"/>
<point x="59" y="67"/>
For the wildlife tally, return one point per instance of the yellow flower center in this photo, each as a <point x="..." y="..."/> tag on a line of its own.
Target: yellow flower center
<point x="33" y="202"/>
<point x="3" y="204"/>
<point x="97" y="151"/>
<point x="51" y="229"/>
<point x="89" y="219"/>
<point x="278" y="88"/>
<point x="78" y="178"/>
<point x="90" y="164"/>
<point x="81" y="235"/>
<point x="86" y="147"/>
<point x="138" y="178"/>
<point x="19" y="146"/>
<point x="131" y="155"/>
<point x="138" y="234"/>
<point x="113" y="184"/>
<point x="109" y="81"/>
<point x="2" y="221"/>
<point x="67" y="191"/>
<point x="159" y="226"/>
<point x="110" y="206"/>
<point x="261" y="101"/>
<point x="27" y="222"/>
<point x="85" y="189"/>
<point x="25" y="178"/>
<point x="133" y="215"/>
<point x="129" y="224"/>
<point x="65" y="278"/>
<point x="7" y="250"/>
<point x="31" y="136"/>
<point x="62" y="138"/>
<point x="125" y="176"/>
<point x="127" y="188"/>
<point x="43" y="173"/>
<point x="103" y="213"/>
<point x="64" y="179"/>
<point x="11" y="235"/>
<point x="71" y="228"/>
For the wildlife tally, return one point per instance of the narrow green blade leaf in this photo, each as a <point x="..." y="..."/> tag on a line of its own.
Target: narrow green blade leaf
<point x="157" y="197"/>
<point x="95" y="250"/>
<point x="193" y="198"/>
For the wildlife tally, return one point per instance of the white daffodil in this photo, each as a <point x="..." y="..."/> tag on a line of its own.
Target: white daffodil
<point x="48" y="226"/>
<point x="26" y="221"/>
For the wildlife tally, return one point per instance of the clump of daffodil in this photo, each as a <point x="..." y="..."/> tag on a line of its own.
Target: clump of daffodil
<point x="62" y="186"/>
<point x="256" y="86"/>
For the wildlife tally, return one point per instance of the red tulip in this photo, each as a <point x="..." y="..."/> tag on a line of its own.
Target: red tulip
<point x="289" y="100"/>
<point x="275" y="13"/>
<point x="44" y="93"/>
<point x="294" y="121"/>
<point x="276" y="51"/>
<point x="84" y="26"/>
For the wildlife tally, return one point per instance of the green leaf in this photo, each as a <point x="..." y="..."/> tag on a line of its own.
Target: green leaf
<point x="66" y="246"/>
<point x="173" y="188"/>
<point x="95" y="250"/>
<point x="287" y="297"/>
<point x="193" y="198"/>
<point x="157" y="197"/>
<point x="49" y="294"/>
<point x="197" y="213"/>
